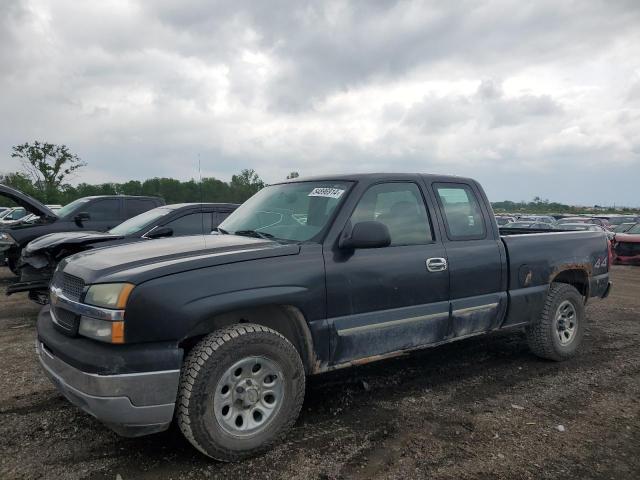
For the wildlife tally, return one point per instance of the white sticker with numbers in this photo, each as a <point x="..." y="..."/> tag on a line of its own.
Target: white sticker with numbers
<point x="326" y="192"/>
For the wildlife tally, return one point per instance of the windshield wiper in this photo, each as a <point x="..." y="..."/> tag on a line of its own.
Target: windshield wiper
<point x="221" y="230"/>
<point x="254" y="233"/>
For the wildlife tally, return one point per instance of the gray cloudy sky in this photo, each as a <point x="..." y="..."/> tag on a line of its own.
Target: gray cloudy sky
<point x="531" y="98"/>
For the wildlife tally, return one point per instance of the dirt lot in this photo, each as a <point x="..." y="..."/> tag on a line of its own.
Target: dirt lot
<point x="481" y="408"/>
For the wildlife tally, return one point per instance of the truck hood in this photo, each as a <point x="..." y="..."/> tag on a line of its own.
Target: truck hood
<point x="30" y="204"/>
<point x="55" y="240"/>
<point x="139" y="262"/>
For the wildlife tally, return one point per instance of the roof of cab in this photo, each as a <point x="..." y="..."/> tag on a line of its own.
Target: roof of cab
<point x="207" y="205"/>
<point x="375" y="177"/>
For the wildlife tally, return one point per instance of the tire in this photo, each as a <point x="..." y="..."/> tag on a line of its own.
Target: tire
<point x="557" y="334"/>
<point x="213" y="375"/>
<point x="12" y="263"/>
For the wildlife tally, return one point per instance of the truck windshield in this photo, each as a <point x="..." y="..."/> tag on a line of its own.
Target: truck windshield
<point x="296" y="212"/>
<point x="139" y="222"/>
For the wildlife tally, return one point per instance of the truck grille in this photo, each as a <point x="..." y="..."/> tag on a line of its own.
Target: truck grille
<point x="65" y="320"/>
<point x="72" y="286"/>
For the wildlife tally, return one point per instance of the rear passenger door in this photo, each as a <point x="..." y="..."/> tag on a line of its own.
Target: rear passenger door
<point x="104" y="214"/>
<point x="475" y="255"/>
<point x="382" y="300"/>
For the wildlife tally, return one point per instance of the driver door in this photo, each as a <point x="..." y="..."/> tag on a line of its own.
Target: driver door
<point x="383" y="300"/>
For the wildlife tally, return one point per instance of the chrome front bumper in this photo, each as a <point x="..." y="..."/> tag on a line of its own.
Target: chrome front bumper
<point x="132" y="404"/>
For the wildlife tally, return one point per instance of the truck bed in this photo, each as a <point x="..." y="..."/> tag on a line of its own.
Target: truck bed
<point x="536" y="258"/>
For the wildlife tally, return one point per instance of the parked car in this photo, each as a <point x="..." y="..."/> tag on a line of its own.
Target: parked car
<point x="220" y="331"/>
<point x="594" y="221"/>
<point x="529" y="225"/>
<point x="615" y="220"/>
<point x="12" y="216"/>
<point x="538" y="219"/>
<point x="583" y="227"/>
<point x="626" y="247"/>
<point x="85" y="214"/>
<point x="41" y="256"/>
<point x="502" y="220"/>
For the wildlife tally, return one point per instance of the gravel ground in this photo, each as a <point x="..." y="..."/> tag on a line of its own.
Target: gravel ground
<point x="479" y="408"/>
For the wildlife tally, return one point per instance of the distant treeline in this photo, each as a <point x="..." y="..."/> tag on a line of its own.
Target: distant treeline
<point x="241" y="187"/>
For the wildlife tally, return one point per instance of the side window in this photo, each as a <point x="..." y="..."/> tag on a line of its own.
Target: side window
<point x="462" y="214"/>
<point x="103" y="210"/>
<point x="136" y="206"/>
<point x="218" y="217"/>
<point x="190" y="224"/>
<point x="400" y="207"/>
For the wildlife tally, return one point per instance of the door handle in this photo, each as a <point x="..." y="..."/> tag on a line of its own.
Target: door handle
<point x="436" y="264"/>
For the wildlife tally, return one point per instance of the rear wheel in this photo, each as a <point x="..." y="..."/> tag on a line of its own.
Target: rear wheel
<point x="241" y="390"/>
<point x="558" y="333"/>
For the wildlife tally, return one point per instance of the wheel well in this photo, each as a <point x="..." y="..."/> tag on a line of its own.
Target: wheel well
<point x="284" y="319"/>
<point x="578" y="278"/>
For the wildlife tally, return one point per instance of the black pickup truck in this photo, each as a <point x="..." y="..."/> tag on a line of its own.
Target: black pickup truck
<point x="220" y="331"/>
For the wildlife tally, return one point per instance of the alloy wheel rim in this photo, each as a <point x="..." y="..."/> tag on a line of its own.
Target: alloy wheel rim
<point x="248" y="396"/>
<point x="566" y="322"/>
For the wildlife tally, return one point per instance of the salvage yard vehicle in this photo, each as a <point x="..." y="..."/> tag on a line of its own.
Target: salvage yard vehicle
<point x="12" y="215"/>
<point x="626" y="247"/>
<point x="88" y="213"/>
<point x="538" y="219"/>
<point x="504" y="220"/>
<point x="41" y="256"/>
<point x="220" y="331"/>
<point x="526" y="224"/>
<point x="590" y="220"/>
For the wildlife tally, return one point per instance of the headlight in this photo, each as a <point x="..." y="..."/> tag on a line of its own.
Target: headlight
<point x="102" y="330"/>
<point x="109" y="295"/>
<point x="5" y="237"/>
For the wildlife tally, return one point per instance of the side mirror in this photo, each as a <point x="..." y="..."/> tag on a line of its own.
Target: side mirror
<point x="81" y="217"/>
<point x="161" y="232"/>
<point x="367" y="235"/>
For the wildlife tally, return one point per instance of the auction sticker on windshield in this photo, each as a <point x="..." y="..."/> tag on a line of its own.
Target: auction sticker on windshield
<point x="326" y="192"/>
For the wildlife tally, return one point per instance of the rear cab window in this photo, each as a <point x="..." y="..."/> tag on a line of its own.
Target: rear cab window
<point x="136" y="206"/>
<point x="461" y="211"/>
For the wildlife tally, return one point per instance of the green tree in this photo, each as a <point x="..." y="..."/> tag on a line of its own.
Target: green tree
<point x="47" y="165"/>
<point x="21" y="182"/>
<point x="245" y="184"/>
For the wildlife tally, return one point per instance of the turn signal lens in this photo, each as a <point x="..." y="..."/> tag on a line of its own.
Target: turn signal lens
<point x="117" y="332"/>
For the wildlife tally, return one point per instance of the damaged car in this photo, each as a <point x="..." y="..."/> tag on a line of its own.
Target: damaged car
<point x="84" y="214"/>
<point x="626" y="247"/>
<point x="41" y="256"/>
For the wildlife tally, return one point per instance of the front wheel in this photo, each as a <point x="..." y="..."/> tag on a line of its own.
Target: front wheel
<point x="241" y="389"/>
<point x="558" y="333"/>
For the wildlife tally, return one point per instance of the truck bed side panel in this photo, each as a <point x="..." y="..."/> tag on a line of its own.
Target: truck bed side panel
<point x="535" y="260"/>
